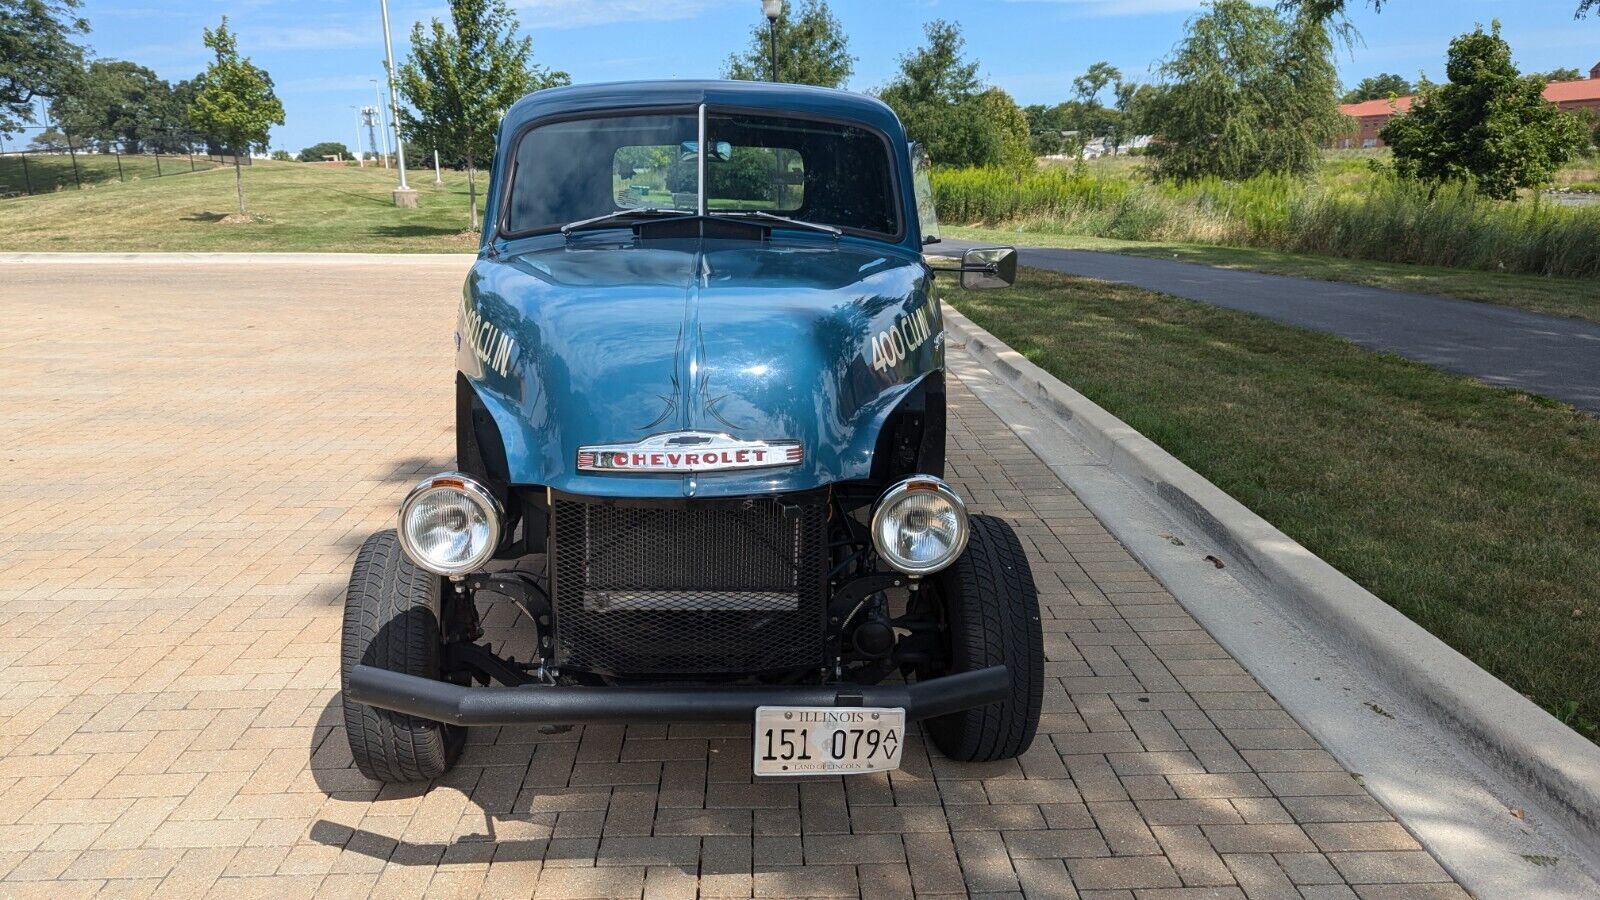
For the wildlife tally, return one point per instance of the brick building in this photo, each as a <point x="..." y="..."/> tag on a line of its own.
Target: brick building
<point x="1371" y="115"/>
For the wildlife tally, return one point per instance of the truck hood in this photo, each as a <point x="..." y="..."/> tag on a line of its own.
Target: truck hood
<point x="600" y="343"/>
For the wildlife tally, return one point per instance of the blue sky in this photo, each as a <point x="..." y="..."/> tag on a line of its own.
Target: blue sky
<point x="323" y="53"/>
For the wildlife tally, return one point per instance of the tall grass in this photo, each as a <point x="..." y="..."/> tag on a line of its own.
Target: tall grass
<point x="1349" y="211"/>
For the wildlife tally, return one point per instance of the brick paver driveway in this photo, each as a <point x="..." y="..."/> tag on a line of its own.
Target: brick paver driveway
<point x="193" y="453"/>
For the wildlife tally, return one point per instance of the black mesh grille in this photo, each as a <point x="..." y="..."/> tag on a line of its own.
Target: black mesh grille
<point x="699" y="588"/>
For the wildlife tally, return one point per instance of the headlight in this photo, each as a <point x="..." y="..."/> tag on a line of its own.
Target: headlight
<point x="919" y="525"/>
<point x="450" y="524"/>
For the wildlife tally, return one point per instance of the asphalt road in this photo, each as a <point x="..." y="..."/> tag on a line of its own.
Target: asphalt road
<point x="1549" y="355"/>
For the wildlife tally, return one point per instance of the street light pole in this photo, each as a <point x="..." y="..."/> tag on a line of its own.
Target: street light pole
<point x="404" y="196"/>
<point x="773" y="9"/>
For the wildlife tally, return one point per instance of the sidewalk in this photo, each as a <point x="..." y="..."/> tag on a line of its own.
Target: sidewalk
<point x="193" y="455"/>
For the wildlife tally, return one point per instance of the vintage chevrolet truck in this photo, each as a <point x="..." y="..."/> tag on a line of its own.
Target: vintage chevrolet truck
<point x="700" y="427"/>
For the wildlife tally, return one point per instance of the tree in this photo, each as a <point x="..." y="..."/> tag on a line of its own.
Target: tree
<point x="1134" y="101"/>
<point x="944" y="107"/>
<point x="1378" y="87"/>
<point x="997" y="131"/>
<point x="812" y="49"/>
<point x="1088" y="87"/>
<point x="1247" y="92"/>
<point x="1328" y="10"/>
<point x="235" y="101"/>
<point x="936" y="74"/>
<point x="184" y="131"/>
<point x="1085" y="113"/>
<point x="37" y="55"/>
<point x="1566" y="73"/>
<point x="118" y="102"/>
<point x="316" y="152"/>
<point x="459" y="81"/>
<point x="1487" y="124"/>
<point x="1045" y="125"/>
<point x="50" y="140"/>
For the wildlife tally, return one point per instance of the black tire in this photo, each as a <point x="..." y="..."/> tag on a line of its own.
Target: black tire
<point x="391" y="620"/>
<point x="991" y="609"/>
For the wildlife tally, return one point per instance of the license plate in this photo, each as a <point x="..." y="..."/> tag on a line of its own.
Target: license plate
<point x="828" y="740"/>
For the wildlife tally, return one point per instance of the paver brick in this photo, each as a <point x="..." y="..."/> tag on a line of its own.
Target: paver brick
<point x="1257" y="838"/>
<point x="1386" y="867"/>
<point x="197" y="746"/>
<point x="1192" y="856"/>
<point x="1260" y="876"/>
<point x="1330" y="836"/>
<point x="1131" y="872"/>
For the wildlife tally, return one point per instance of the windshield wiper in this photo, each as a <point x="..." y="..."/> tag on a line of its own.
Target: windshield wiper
<point x="782" y="220"/>
<point x="646" y="211"/>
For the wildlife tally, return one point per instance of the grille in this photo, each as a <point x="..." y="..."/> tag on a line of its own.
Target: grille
<point x="704" y="587"/>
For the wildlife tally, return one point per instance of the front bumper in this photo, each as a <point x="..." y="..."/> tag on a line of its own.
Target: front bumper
<point x="546" y="704"/>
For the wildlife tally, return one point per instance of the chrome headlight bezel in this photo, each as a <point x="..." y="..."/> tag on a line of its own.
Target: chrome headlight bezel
<point x="885" y="508"/>
<point x="479" y="496"/>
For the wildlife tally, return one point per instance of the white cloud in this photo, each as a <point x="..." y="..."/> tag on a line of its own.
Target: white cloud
<point x="293" y="37"/>
<point x="585" y="13"/>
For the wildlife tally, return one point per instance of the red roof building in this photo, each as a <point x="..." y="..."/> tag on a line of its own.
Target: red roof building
<point x="1370" y="116"/>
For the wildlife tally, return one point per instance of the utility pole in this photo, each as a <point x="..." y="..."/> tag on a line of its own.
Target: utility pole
<point x="369" y="116"/>
<point x="404" y="196"/>
<point x="383" y="126"/>
<point x="361" y="158"/>
<point x="438" y="177"/>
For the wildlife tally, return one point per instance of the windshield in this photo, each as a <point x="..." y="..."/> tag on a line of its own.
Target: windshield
<point x="817" y="172"/>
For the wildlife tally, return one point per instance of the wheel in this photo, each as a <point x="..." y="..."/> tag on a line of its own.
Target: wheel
<point x="391" y="621"/>
<point x="991" y="612"/>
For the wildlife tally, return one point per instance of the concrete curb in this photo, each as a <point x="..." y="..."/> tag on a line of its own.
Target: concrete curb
<point x="1508" y="732"/>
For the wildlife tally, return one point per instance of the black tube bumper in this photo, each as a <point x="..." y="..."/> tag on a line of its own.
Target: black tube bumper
<point x="541" y="704"/>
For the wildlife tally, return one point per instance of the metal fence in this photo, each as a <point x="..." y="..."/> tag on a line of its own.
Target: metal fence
<point x="54" y="161"/>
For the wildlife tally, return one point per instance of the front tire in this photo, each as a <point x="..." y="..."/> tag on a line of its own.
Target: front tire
<point x="991" y="612"/>
<point x="391" y="621"/>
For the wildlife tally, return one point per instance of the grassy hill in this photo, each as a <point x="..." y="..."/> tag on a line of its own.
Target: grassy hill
<point x="42" y="173"/>
<point x="302" y="208"/>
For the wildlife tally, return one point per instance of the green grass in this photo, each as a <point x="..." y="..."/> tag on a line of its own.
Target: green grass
<point x="1575" y="297"/>
<point x="1473" y="510"/>
<point x="1348" y="210"/>
<point x="301" y="208"/>
<point x="50" y="172"/>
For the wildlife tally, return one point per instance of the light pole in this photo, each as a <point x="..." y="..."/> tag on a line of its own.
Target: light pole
<point x="404" y="196"/>
<point x="773" y="9"/>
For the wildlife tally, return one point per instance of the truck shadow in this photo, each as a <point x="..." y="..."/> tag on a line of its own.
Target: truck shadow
<point x="408" y="471"/>
<point x="415" y="468"/>
<point x="678" y="796"/>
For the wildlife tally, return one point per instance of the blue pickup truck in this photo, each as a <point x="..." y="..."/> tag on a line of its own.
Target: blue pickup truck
<point x="700" y="425"/>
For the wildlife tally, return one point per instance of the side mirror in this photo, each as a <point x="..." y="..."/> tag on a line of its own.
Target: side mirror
<point x="987" y="268"/>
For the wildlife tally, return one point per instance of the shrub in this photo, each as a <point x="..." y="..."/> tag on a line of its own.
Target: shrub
<point x="1351" y="211"/>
